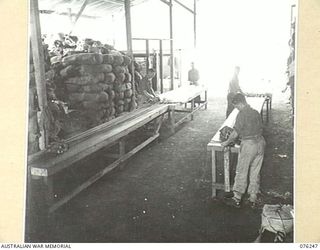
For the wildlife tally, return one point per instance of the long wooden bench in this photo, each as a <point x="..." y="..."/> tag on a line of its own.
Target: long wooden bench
<point x="180" y="98"/>
<point x="44" y="165"/>
<point x="214" y="145"/>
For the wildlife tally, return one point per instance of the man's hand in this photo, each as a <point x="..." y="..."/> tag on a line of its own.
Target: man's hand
<point x="224" y="144"/>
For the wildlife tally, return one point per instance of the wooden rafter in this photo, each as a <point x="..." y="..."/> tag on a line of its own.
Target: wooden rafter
<point x="184" y="6"/>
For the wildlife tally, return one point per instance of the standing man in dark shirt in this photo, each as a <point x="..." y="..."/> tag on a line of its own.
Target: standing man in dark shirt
<point x="234" y="88"/>
<point x="248" y="127"/>
<point x="193" y="78"/>
<point x="193" y="75"/>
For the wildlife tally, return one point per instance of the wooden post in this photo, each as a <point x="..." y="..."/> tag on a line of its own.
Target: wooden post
<point x="195" y="23"/>
<point x="161" y="66"/>
<point x="171" y="48"/>
<point x="129" y="41"/>
<point x="172" y="119"/>
<point x="128" y="25"/>
<point x="213" y="172"/>
<point x="38" y="61"/>
<point x="122" y="150"/>
<point x="122" y="147"/>
<point x="267" y="102"/>
<point x="70" y="16"/>
<point x="226" y="157"/>
<point x="147" y="56"/>
<point x="206" y="99"/>
<point x="192" y="108"/>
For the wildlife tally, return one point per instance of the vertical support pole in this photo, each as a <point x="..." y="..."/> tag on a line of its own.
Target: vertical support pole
<point x="267" y="110"/>
<point x="38" y="61"/>
<point x="206" y="98"/>
<point x="171" y="48"/>
<point x="172" y="119"/>
<point x="40" y="199"/>
<point x="122" y="151"/>
<point x="226" y="157"/>
<point x="129" y="41"/>
<point x="213" y="172"/>
<point x="128" y="25"/>
<point x="122" y="148"/>
<point x="195" y="23"/>
<point x="70" y="16"/>
<point x="161" y="66"/>
<point x="147" y="56"/>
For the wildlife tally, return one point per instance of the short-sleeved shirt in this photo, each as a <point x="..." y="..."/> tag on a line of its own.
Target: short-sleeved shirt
<point x="193" y="76"/>
<point x="248" y="123"/>
<point x="234" y="86"/>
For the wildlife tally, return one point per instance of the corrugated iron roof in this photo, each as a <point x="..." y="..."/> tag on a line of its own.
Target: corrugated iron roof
<point x="94" y="8"/>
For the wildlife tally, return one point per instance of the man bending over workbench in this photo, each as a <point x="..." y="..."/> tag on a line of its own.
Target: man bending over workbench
<point x="145" y="91"/>
<point x="248" y="127"/>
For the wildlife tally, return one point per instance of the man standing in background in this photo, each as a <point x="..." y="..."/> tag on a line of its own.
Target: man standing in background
<point x="193" y="75"/>
<point x="234" y="88"/>
<point x="193" y="78"/>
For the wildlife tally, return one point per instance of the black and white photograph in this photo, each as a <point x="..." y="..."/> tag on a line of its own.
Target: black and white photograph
<point x="161" y="121"/>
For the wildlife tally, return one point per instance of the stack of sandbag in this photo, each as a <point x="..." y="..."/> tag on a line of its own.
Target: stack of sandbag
<point x="97" y="86"/>
<point x="122" y="85"/>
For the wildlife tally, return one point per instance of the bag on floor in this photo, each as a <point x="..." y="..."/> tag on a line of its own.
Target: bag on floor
<point x="277" y="219"/>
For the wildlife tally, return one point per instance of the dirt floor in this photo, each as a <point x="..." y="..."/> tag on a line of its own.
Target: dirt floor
<point x="163" y="193"/>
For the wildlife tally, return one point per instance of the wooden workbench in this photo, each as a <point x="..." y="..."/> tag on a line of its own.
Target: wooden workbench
<point x="214" y="145"/>
<point x="180" y="98"/>
<point x="44" y="165"/>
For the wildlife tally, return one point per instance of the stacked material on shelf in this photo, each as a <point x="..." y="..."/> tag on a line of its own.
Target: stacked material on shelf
<point x="86" y="86"/>
<point x="96" y="87"/>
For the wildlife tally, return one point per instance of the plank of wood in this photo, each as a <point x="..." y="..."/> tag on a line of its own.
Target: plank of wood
<point x="101" y="173"/>
<point x="182" y="95"/>
<point x="98" y="129"/>
<point x="54" y="164"/>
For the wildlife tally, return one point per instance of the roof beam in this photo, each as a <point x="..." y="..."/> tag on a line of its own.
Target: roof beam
<point x="79" y="14"/>
<point x="184" y="6"/>
<point x="166" y="2"/>
<point x="48" y="12"/>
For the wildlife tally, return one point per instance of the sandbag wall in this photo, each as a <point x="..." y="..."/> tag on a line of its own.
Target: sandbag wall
<point x="97" y="86"/>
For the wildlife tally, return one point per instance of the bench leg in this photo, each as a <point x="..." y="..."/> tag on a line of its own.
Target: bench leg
<point x="157" y="124"/>
<point x="122" y="150"/>
<point x="226" y="157"/>
<point x="172" y="120"/>
<point x="213" y="173"/>
<point x="40" y="200"/>
<point x="206" y="99"/>
<point x="192" y="108"/>
<point x="268" y="101"/>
